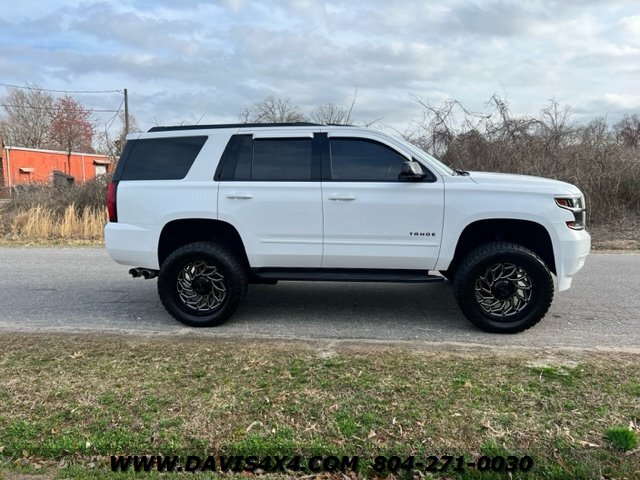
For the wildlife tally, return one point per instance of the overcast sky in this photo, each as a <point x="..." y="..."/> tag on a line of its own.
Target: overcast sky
<point x="196" y="60"/>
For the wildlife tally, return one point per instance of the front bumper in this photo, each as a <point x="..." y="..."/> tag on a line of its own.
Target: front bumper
<point x="573" y="248"/>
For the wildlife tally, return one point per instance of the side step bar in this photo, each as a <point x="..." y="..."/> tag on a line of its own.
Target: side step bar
<point x="345" y="275"/>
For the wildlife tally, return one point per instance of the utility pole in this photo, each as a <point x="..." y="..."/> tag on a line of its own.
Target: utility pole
<point x="126" y="112"/>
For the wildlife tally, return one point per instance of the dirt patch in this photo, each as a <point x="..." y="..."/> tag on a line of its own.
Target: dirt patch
<point x="623" y="235"/>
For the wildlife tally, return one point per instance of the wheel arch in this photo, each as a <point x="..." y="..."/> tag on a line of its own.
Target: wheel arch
<point x="529" y="234"/>
<point x="180" y="232"/>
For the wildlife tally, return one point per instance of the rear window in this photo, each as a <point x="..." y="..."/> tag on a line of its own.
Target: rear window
<point x="159" y="158"/>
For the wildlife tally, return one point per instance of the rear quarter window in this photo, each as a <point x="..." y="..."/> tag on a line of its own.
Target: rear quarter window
<point x="159" y="158"/>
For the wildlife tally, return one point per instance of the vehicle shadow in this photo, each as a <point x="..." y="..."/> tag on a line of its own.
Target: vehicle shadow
<point x="403" y="310"/>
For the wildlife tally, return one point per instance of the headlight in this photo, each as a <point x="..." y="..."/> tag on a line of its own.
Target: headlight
<point x="576" y="206"/>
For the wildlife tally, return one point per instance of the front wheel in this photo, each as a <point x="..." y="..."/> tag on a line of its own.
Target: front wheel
<point x="448" y="274"/>
<point x="201" y="284"/>
<point x="503" y="287"/>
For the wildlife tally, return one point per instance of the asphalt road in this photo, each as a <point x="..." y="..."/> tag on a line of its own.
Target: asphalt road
<point x="81" y="290"/>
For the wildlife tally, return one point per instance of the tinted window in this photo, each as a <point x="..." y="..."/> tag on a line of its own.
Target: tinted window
<point x="364" y="160"/>
<point x="281" y="159"/>
<point x="161" y="158"/>
<point x="236" y="159"/>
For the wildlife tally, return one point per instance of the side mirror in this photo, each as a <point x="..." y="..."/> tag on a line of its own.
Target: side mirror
<point x="411" y="170"/>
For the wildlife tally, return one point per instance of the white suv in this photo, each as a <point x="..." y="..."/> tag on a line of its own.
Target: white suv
<point x="210" y="209"/>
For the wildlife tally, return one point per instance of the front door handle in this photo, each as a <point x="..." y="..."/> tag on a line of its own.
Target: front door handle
<point x="239" y="196"/>
<point x="342" y="197"/>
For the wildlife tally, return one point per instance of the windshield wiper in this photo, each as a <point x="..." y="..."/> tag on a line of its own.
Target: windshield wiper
<point x="460" y="172"/>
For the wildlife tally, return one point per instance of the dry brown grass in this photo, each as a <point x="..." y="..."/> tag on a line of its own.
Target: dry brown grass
<point x="44" y="223"/>
<point x="55" y="214"/>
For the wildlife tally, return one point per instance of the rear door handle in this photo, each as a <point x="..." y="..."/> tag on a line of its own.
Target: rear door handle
<point x="239" y="196"/>
<point x="342" y="197"/>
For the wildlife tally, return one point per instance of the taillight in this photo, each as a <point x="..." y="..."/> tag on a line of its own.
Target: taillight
<point x="112" y="191"/>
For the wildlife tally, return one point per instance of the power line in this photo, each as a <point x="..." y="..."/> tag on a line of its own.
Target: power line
<point x="58" y="109"/>
<point x="113" y="119"/>
<point x="60" y="91"/>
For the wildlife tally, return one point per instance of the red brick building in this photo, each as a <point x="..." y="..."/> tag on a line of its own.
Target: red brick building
<point x="22" y="166"/>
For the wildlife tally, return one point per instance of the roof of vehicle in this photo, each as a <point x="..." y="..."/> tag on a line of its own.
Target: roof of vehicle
<point x="233" y="125"/>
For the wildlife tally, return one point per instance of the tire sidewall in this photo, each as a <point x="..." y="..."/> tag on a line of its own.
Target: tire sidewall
<point x="541" y="294"/>
<point x="167" y="286"/>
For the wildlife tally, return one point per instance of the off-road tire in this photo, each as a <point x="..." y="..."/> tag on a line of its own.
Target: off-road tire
<point x="448" y="274"/>
<point x="233" y="283"/>
<point x="470" y="277"/>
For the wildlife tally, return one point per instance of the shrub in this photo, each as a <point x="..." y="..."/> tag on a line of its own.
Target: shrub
<point x="90" y="194"/>
<point x="603" y="164"/>
<point x="45" y="212"/>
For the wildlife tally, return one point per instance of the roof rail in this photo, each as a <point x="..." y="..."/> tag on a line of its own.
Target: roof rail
<point x="232" y="125"/>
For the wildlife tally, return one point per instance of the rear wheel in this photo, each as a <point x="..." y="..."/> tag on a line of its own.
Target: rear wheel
<point x="201" y="284"/>
<point x="503" y="287"/>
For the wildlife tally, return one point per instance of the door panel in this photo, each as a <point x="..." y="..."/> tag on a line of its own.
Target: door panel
<point x="386" y="225"/>
<point x="373" y="218"/>
<point x="279" y="222"/>
<point x="270" y="192"/>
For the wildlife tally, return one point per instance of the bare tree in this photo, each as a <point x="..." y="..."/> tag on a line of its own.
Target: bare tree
<point x="112" y="145"/>
<point x="501" y="126"/>
<point x="436" y="128"/>
<point x="27" y="117"/>
<point x="272" y="110"/>
<point x="628" y="131"/>
<point x="556" y="123"/>
<point x="330" y="114"/>
<point x="595" y="133"/>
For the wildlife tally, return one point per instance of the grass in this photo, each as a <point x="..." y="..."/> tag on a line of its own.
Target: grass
<point x="42" y="224"/>
<point x="67" y="403"/>
<point x="44" y="214"/>
<point x="44" y="243"/>
<point x="622" y="438"/>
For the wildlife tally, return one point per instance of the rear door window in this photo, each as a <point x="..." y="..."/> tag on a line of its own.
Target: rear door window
<point x="267" y="159"/>
<point x="285" y="159"/>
